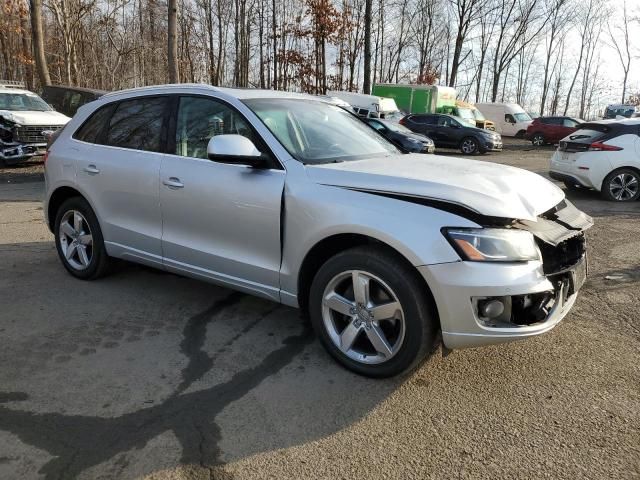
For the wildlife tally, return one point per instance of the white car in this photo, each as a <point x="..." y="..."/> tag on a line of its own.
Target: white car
<point x="26" y="122"/>
<point x="510" y="119"/>
<point x="603" y="156"/>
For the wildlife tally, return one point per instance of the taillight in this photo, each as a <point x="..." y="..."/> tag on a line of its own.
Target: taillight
<point x="402" y="121"/>
<point x="603" y="147"/>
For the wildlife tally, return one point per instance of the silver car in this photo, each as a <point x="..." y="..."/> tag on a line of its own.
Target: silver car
<point x="290" y="198"/>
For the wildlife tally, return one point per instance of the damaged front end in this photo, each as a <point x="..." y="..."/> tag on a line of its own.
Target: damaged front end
<point x="560" y="236"/>
<point x="18" y="143"/>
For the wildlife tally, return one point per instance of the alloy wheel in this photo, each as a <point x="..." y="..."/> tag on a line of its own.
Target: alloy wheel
<point x="468" y="146"/>
<point x="363" y="317"/>
<point x="538" y="140"/>
<point x="76" y="240"/>
<point x="624" y="186"/>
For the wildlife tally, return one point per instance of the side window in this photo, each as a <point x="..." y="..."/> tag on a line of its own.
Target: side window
<point x="377" y="125"/>
<point x="92" y="128"/>
<point x="200" y="119"/>
<point x="567" y="122"/>
<point x="509" y="118"/>
<point x="137" y="124"/>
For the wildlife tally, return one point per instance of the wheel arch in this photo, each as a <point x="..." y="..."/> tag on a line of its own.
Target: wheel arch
<point x="57" y="198"/>
<point x="617" y="169"/>
<point x="329" y="246"/>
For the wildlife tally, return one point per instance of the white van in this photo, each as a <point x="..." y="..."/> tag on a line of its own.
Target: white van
<point x="510" y="118"/>
<point x="368" y="105"/>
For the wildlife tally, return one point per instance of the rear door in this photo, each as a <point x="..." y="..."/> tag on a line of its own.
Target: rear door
<point x="120" y="174"/>
<point x="220" y="221"/>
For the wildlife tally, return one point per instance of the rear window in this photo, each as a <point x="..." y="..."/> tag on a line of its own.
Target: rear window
<point x="91" y="129"/>
<point x="137" y="124"/>
<point x="589" y="132"/>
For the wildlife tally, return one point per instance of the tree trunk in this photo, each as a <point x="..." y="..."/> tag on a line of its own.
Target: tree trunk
<point x="366" y="87"/>
<point x="274" y="33"/>
<point x="38" y="42"/>
<point x="26" y="51"/>
<point x="172" y="43"/>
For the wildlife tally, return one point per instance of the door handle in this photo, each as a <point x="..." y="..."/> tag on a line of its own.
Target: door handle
<point x="91" y="169"/>
<point x="173" y="182"/>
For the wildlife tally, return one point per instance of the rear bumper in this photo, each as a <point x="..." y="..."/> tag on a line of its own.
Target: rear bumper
<point x="565" y="177"/>
<point x="458" y="287"/>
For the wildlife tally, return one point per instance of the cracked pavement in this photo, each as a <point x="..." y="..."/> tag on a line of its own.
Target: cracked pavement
<point x="145" y="374"/>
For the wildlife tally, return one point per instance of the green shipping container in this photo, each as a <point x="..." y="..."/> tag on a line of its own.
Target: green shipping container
<point x="409" y="98"/>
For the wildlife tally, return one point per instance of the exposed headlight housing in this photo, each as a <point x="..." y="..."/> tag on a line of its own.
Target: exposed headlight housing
<point x="493" y="244"/>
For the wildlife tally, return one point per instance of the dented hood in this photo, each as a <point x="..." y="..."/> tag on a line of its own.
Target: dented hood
<point x="50" y="117"/>
<point x="486" y="188"/>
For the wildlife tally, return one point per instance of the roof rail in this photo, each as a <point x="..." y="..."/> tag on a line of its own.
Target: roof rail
<point x="11" y="84"/>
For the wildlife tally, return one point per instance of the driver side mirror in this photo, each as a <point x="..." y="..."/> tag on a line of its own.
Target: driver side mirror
<point x="235" y="149"/>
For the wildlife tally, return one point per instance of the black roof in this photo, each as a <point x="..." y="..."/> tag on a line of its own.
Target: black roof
<point x="77" y="89"/>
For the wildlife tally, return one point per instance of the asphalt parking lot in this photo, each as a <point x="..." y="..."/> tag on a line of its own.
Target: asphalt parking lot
<point x="145" y="374"/>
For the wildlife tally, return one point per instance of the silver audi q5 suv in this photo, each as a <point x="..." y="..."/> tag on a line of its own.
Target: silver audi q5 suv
<point x="295" y="200"/>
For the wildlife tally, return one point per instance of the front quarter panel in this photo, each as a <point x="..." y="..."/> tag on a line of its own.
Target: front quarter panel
<point x="315" y="212"/>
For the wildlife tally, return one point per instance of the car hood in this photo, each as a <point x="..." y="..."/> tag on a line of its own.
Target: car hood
<point x="486" y="188"/>
<point x="50" y="118"/>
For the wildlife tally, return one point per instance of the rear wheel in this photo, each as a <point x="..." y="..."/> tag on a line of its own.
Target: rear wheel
<point x="622" y="185"/>
<point x="469" y="146"/>
<point x="79" y="240"/>
<point x="538" y="140"/>
<point x="371" y="312"/>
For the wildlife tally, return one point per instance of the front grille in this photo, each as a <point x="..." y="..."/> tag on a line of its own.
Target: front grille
<point x="33" y="133"/>
<point x="562" y="256"/>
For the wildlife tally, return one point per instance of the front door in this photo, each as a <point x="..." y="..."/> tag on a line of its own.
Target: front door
<point x="220" y="221"/>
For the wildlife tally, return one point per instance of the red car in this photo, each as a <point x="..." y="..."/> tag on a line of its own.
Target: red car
<point x="545" y="130"/>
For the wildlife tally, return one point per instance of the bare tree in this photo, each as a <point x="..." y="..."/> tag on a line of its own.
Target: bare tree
<point x="466" y="14"/>
<point x="622" y="45"/>
<point x="38" y="42"/>
<point x="366" y="87"/>
<point x="172" y="43"/>
<point x="557" y="19"/>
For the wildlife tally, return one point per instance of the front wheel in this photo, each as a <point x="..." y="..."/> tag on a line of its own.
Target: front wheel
<point x="79" y="240"/>
<point x="372" y="313"/>
<point x="622" y="185"/>
<point x="469" y="146"/>
<point x="538" y="140"/>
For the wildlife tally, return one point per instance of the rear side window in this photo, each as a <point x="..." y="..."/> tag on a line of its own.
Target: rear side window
<point x="588" y="133"/>
<point x="91" y="129"/>
<point x="138" y="124"/>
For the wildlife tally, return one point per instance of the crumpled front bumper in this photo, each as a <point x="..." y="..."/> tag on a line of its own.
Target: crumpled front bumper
<point x="457" y="286"/>
<point x="14" y="152"/>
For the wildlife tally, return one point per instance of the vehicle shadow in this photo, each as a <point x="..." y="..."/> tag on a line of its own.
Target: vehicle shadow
<point x="233" y="375"/>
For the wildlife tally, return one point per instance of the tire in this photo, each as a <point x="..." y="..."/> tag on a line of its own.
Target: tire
<point x="469" y="146"/>
<point x="538" y="140"/>
<point x="622" y="185"/>
<point x="409" y="332"/>
<point x="520" y="134"/>
<point x="77" y="230"/>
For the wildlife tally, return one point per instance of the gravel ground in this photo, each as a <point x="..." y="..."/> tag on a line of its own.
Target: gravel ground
<point x="149" y="375"/>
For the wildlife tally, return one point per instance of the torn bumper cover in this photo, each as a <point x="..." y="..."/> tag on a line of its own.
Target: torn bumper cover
<point x="512" y="301"/>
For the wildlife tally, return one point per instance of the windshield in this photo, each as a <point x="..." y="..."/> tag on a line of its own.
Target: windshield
<point x="620" y="111"/>
<point x="478" y="115"/>
<point x="316" y="132"/>
<point x="396" y="127"/>
<point x="522" y="117"/>
<point x="22" y="102"/>
<point x="467" y="115"/>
